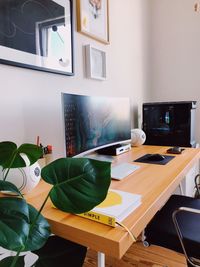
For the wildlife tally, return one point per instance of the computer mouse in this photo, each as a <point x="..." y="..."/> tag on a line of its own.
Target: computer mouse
<point x="155" y="157"/>
<point x="175" y="150"/>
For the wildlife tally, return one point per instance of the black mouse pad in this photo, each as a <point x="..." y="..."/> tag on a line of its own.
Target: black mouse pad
<point x="144" y="159"/>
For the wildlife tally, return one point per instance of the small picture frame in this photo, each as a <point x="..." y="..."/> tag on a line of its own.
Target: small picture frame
<point x="93" y="19"/>
<point x="95" y="63"/>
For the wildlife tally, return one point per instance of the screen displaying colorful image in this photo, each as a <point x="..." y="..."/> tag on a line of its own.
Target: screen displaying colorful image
<point x="94" y="122"/>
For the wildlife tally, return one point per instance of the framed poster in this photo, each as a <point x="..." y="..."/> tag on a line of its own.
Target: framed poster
<point x="95" y="63"/>
<point x="37" y="34"/>
<point x="93" y="19"/>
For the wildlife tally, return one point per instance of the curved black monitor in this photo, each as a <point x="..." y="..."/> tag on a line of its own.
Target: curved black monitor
<point x="93" y="122"/>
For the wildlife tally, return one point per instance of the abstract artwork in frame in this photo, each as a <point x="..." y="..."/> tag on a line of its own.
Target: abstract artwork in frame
<point x="93" y="19"/>
<point x="95" y="63"/>
<point x="37" y="34"/>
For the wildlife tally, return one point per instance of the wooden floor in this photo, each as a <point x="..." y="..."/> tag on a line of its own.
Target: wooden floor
<point x="139" y="256"/>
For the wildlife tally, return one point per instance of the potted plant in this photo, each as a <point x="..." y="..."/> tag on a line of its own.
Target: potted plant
<point x="78" y="185"/>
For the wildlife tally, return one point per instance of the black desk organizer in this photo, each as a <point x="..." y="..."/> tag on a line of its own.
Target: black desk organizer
<point x="144" y="159"/>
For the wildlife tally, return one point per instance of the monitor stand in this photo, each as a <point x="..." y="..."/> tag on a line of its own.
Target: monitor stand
<point x="96" y="156"/>
<point x="114" y="150"/>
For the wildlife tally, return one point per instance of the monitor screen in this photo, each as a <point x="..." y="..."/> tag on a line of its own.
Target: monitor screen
<point x="95" y="122"/>
<point x="169" y="123"/>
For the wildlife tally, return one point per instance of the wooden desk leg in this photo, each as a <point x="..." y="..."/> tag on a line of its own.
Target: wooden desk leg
<point x="101" y="259"/>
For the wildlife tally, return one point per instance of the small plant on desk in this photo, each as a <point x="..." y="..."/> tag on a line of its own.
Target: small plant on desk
<point x="78" y="185"/>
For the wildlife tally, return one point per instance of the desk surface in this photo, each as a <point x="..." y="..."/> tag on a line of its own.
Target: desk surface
<point x="154" y="182"/>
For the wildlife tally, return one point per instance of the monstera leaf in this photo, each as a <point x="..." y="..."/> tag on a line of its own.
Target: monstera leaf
<point x="10" y="154"/>
<point x="21" y="227"/>
<point x="79" y="184"/>
<point x="9" y="187"/>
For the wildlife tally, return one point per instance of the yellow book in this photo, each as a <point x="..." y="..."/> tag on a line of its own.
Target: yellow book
<point x="115" y="208"/>
<point x="105" y="219"/>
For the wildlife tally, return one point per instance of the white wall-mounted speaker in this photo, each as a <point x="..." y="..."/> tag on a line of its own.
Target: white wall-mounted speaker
<point x="138" y="137"/>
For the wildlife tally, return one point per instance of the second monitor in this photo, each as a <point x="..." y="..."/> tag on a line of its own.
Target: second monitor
<point x="169" y="123"/>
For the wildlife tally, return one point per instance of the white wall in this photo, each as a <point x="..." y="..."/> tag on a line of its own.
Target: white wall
<point x="175" y="58"/>
<point x="30" y="102"/>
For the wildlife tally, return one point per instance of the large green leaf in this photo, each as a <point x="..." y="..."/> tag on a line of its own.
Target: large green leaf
<point x="9" y="187"/>
<point x="10" y="155"/>
<point x="13" y="223"/>
<point x="6" y="262"/>
<point x="39" y="233"/>
<point x="7" y="150"/>
<point x="32" y="151"/>
<point x="16" y="232"/>
<point x="79" y="183"/>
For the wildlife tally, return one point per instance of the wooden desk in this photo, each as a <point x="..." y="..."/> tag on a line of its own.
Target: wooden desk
<point x="154" y="182"/>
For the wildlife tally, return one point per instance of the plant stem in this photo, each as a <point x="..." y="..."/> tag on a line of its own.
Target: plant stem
<point x="31" y="227"/>
<point x="16" y="258"/>
<point x="40" y="210"/>
<point x="38" y="214"/>
<point x="9" y="167"/>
